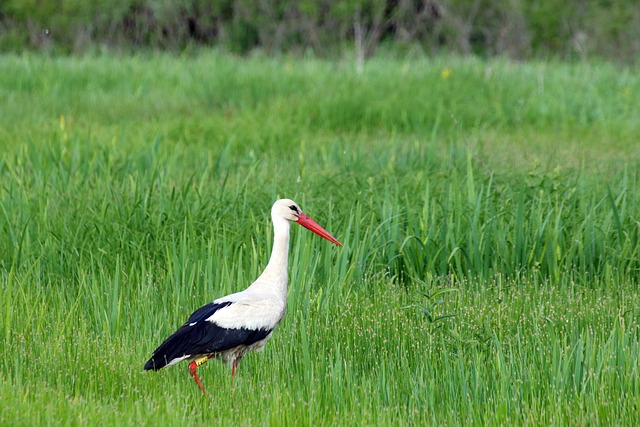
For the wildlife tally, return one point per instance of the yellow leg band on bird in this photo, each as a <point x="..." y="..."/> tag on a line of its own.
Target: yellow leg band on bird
<point x="201" y="360"/>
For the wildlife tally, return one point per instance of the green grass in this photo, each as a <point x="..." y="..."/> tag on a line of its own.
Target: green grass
<point x="491" y="257"/>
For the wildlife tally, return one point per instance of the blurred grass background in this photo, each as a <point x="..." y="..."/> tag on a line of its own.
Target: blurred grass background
<point x="517" y="29"/>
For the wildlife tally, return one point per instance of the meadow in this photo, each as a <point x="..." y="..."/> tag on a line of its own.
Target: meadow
<point x="488" y="211"/>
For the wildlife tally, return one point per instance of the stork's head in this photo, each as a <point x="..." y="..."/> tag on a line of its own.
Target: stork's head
<point x="289" y="210"/>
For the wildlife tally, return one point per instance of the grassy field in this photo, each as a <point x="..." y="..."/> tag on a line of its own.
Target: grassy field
<point x="488" y="210"/>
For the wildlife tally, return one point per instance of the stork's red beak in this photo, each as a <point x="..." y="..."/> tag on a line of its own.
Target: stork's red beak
<point x="309" y="224"/>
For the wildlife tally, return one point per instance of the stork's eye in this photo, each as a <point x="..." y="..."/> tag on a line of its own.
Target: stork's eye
<point x="294" y="208"/>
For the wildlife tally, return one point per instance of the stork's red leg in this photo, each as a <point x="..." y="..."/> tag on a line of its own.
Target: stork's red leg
<point x="192" y="370"/>
<point x="234" y="368"/>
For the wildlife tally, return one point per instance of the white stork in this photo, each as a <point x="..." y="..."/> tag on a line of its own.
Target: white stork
<point x="231" y="326"/>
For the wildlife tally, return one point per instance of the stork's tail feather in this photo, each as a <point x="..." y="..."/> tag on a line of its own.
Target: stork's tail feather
<point x="170" y="352"/>
<point x="179" y="343"/>
<point x="152" y="365"/>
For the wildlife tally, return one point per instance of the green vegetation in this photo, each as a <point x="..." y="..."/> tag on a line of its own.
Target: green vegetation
<point x="488" y="211"/>
<point x="570" y="29"/>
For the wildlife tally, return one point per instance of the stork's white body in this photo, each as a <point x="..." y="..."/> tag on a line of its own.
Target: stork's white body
<point x="231" y="326"/>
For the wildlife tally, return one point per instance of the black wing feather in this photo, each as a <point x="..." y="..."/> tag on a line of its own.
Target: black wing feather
<point x="202" y="338"/>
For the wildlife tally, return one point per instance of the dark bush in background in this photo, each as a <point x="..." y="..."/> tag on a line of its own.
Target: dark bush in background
<point x="515" y="28"/>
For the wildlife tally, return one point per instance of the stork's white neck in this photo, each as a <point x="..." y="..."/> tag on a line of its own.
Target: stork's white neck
<point x="275" y="275"/>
